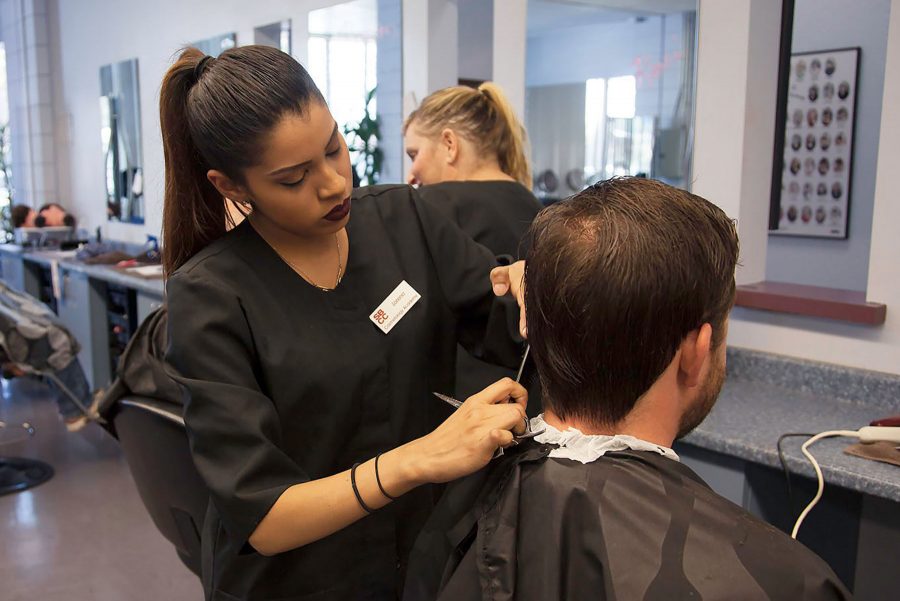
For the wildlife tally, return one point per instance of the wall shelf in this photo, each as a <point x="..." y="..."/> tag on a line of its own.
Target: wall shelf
<point x="814" y="301"/>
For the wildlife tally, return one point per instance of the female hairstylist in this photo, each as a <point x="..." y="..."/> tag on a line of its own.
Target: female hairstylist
<point x="468" y="152"/>
<point x="309" y="342"/>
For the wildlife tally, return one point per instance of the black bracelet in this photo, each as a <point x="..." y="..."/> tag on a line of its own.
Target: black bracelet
<point x="356" y="490"/>
<point x="378" y="479"/>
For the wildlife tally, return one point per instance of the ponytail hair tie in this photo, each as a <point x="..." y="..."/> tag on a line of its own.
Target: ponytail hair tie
<point x="201" y="66"/>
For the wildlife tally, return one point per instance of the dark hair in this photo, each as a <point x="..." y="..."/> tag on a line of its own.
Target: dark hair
<point x="217" y="116"/>
<point x="18" y="214"/>
<point x="616" y="277"/>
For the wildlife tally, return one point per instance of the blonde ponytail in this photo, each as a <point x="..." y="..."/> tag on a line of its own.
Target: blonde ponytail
<point x="511" y="147"/>
<point x="485" y="118"/>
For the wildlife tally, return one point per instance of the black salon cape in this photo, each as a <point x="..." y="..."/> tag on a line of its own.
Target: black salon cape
<point x="496" y="214"/>
<point x="286" y="383"/>
<point x="629" y="526"/>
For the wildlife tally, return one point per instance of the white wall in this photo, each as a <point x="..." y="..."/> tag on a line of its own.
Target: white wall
<point x="737" y="83"/>
<point x="88" y="34"/>
<point x="29" y="89"/>
<point x="822" y="25"/>
<point x="508" y="52"/>
<point x="476" y="38"/>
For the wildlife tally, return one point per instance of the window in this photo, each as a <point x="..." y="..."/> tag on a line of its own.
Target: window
<point x="342" y="56"/>
<point x="342" y="61"/>
<point x="344" y="69"/>
<point x="616" y="141"/>
<point x="5" y="152"/>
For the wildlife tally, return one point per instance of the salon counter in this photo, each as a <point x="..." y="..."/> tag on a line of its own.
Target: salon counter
<point x="856" y="526"/>
<point x="100" y="304"/>
<point x="767" y="395"/>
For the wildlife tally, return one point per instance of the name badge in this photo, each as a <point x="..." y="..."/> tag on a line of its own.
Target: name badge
<point x="394" y="307"/>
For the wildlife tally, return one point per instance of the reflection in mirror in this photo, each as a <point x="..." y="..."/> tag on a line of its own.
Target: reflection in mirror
<point x="609" y="91"/>
<point x="120" y="133"/>
<point x="343" y="61"/>
<point x="276" y="35"/>
<point x="216" y="45"/>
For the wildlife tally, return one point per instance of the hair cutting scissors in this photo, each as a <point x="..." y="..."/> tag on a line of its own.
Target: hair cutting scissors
<point x="529" y="433"/>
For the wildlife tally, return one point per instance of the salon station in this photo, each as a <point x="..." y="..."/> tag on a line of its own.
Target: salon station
<point x="778" y="112"/>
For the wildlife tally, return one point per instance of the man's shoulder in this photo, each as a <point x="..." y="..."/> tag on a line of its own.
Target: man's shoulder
<point x="682" y="522"/>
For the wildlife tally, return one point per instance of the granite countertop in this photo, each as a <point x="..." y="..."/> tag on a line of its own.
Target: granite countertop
<point x="768" y="395"/>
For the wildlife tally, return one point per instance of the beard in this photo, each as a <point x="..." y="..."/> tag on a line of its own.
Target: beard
<point x="706" y="397"/>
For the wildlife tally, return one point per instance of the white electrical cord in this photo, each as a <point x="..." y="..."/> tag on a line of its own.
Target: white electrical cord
<point x="869" y="434"/>
<point x="805" y="450"/>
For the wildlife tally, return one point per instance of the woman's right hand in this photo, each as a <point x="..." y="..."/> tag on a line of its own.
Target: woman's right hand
<point x="510" y="279"/>
<point x="468" y="439"/>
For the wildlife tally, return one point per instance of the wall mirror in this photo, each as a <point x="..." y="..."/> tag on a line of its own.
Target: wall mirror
<point x="120" y="134"/>
<point x="276" y="35"/>
<point x="609" y="91"/>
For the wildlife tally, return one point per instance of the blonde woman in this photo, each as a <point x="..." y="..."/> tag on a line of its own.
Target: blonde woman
<point x="468" y="152"/>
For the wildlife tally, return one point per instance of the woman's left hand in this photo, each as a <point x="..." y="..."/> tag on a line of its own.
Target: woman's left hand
<point x="510" y="279"/>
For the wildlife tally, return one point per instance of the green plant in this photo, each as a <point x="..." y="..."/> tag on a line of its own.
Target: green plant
<point x="363" y="138"/>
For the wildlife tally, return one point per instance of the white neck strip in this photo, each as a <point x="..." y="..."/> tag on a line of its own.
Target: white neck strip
<point x="587" y="448"/>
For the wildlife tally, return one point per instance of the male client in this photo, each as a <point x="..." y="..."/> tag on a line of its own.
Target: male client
<point x="628" y="288"/>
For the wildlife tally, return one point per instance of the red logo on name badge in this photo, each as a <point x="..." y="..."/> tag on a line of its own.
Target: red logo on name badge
<point x="380" y="316"/>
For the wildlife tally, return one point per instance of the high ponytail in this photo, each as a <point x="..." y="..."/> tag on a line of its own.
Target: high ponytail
<point x="215" y="114"/>
<point x="485" y="118"/>
<point x="511" y="147"/>
<point x="193" y="210"/>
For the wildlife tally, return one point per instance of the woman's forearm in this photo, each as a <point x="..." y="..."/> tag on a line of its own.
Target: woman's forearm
<point x="310" y="511"/>
<point x="464" y="443"/>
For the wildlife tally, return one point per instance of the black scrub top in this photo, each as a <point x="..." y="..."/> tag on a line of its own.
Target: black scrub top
<point x="495" y="214"/>
<point x="286" y="383"/>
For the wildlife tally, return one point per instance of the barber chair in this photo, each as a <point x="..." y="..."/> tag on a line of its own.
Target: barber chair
<point x="33" y="343"/>
<point x="143" y="410"/>
<point x="18" y="473"/>
<point x="155" y="443"/>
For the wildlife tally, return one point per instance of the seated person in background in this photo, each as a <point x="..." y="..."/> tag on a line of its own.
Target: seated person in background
<point x="22" y="216"/>
<point x="628" y="288"/>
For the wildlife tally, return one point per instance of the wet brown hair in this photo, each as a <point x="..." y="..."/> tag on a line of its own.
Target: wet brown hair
<point x="482" y="116"/>
<point x="216" y="113"/>
<point x="616" y="277"/>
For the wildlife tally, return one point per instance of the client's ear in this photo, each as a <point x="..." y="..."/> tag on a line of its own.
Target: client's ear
<point x="695" y="352"/>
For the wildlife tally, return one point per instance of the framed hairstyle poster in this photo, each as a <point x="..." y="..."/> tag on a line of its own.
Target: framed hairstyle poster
<point x="818" y="144"/>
